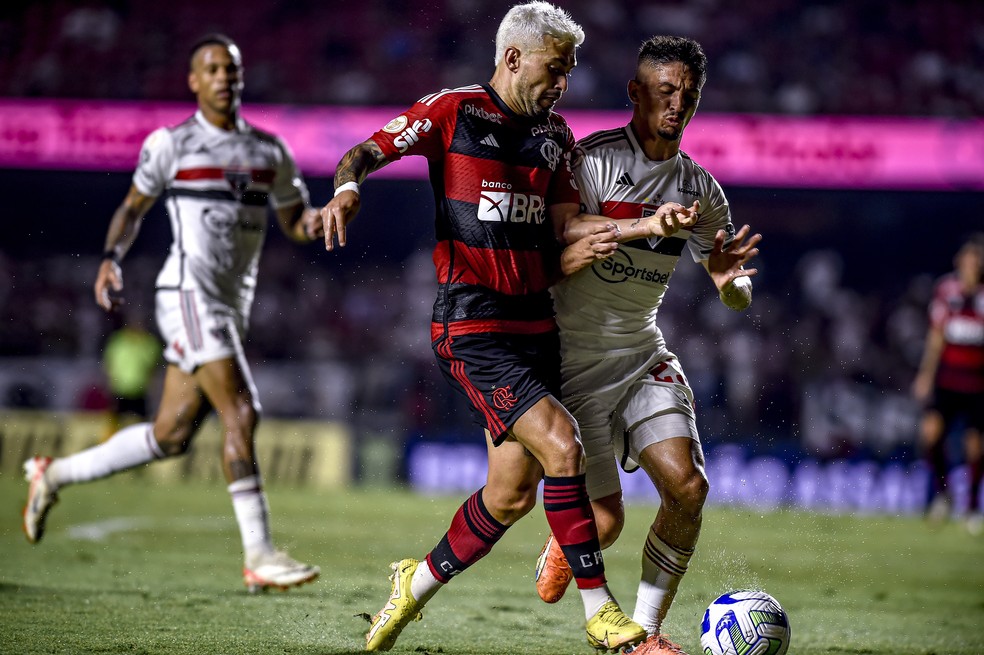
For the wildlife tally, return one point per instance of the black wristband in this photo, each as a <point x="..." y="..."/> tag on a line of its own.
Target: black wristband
<point x="111" y="254"/>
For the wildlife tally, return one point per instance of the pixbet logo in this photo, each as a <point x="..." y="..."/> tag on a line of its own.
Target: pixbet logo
<point x="411" y="135"/>
<point x="495" y="117"/>
<point x="620" y="268"/>
<point x="508" y="207"/>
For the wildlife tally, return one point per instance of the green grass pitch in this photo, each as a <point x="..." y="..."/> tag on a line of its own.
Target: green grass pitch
<point x="130" y="565"/>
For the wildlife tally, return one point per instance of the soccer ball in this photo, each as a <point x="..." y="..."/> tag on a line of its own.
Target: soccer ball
<point x="744" y="623"/>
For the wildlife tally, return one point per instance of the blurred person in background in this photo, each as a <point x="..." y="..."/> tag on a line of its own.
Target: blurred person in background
<point x="130" y="358"/>
<point x="950" y="380"/>
<point x="627" y="391"/>
<point x="499" y="161"/>
<point x="219" y="174"/>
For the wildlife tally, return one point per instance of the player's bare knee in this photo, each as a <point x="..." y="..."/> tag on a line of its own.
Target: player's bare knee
<point x="508" y="506"/>
<point x="173" y="440"/>
<point x="566" y="459"/>
<point x="609" y="531"/>
<point x="692" y="494"/>
<point x="241" y="418"/>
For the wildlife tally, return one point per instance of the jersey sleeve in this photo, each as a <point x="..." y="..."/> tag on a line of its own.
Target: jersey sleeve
<point x="563" y="183"/>
<point x="288" y="185"/>
<point x="714" y="215"/>
<point x="588" y="174"/>
<point x="419" y="130"/>
<point x="157" y="165"/>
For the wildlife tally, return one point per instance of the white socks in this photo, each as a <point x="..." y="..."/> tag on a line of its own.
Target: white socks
<point x="423" y="585"/>
<point x="252" y="513"/>
<point x="663" y="566"/>
<point x="593" y="599"/>
<point x="130" y="447"/>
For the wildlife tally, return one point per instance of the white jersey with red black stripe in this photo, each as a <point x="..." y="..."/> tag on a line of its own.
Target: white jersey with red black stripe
<point x="611" y="306"/>
<point x="218" y="184"/>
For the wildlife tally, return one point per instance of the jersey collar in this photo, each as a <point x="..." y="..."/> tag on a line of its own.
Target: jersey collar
<point x="630" y="133"/>
<point x="200" y="117"/>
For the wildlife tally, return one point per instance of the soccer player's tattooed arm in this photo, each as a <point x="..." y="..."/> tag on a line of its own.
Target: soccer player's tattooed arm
<point x="341" y="210"/>
<point x="666" y="221"/>
<point x="357" y="163"/>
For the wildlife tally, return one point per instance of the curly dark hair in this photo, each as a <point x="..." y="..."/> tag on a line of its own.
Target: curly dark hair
<point x="669" y="49"/>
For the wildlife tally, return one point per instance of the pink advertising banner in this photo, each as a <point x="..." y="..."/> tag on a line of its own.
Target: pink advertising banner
<point x="746" y="150"/>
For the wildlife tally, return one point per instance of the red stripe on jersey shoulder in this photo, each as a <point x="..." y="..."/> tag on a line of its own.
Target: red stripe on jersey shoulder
<point x="511" y="272"/>
<point x="620" y="209"/>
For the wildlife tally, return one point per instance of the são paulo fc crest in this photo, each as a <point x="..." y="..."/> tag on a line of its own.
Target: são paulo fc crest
<point x="503" y="399"/>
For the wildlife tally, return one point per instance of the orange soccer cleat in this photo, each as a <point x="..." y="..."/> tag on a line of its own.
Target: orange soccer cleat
<point x="656" y="645"/>
<point x="553" y="573"/>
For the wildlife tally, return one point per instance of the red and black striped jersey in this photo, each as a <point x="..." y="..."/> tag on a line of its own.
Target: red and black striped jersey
<point x="960" y="315"/>
<point x="495" y="175"/>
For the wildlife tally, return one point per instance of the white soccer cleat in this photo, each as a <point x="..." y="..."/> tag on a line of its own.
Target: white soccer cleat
<point x="276" y="569"/>
<point x="41" y="495"/>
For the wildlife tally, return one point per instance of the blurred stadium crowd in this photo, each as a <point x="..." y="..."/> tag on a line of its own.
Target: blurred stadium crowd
<point x="814" y="363"/>
<point x="817" y="363"/>
<point x="918" y="57"/>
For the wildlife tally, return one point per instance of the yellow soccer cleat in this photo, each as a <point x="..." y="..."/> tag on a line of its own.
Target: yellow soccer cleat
<point x="399" y="610"/>
<point x="611" y="630"/>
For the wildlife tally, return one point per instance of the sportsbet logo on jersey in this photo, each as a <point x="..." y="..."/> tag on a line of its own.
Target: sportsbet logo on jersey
<point x="620" y="268"/>
<point x="508" y="207"/>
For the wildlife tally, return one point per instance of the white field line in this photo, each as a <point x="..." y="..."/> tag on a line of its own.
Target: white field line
<point x="100" y="530"/>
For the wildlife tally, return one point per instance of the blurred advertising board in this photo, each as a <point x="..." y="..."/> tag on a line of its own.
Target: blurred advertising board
<point x="295" y="453"/>
<point x="845" y="152"/>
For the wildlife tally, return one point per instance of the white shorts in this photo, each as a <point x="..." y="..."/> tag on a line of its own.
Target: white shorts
<point x="624" y="404"/>
<point x="196" y="332"/>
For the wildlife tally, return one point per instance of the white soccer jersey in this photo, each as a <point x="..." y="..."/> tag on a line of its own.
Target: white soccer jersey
<point x="218" y="185"/>
<point x="611" y="306"/>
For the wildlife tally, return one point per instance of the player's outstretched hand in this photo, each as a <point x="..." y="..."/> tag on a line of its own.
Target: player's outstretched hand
<point x="336" y="215"/>
<point x="109" y="285"/>
<point x="726" y="260"/>
<point x="671" y="217"/>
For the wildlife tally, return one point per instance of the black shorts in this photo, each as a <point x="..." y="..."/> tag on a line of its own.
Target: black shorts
<point x="501" y="375"/>
<point x="954" y="404"/>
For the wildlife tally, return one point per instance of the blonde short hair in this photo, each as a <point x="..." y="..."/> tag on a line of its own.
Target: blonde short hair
<point x="525" y="25"/>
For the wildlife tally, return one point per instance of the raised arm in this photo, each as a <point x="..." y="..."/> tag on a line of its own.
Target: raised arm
<point x="122" y="232"/>
<point x="725" y="266"/>
<point x="341" y="210"/>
